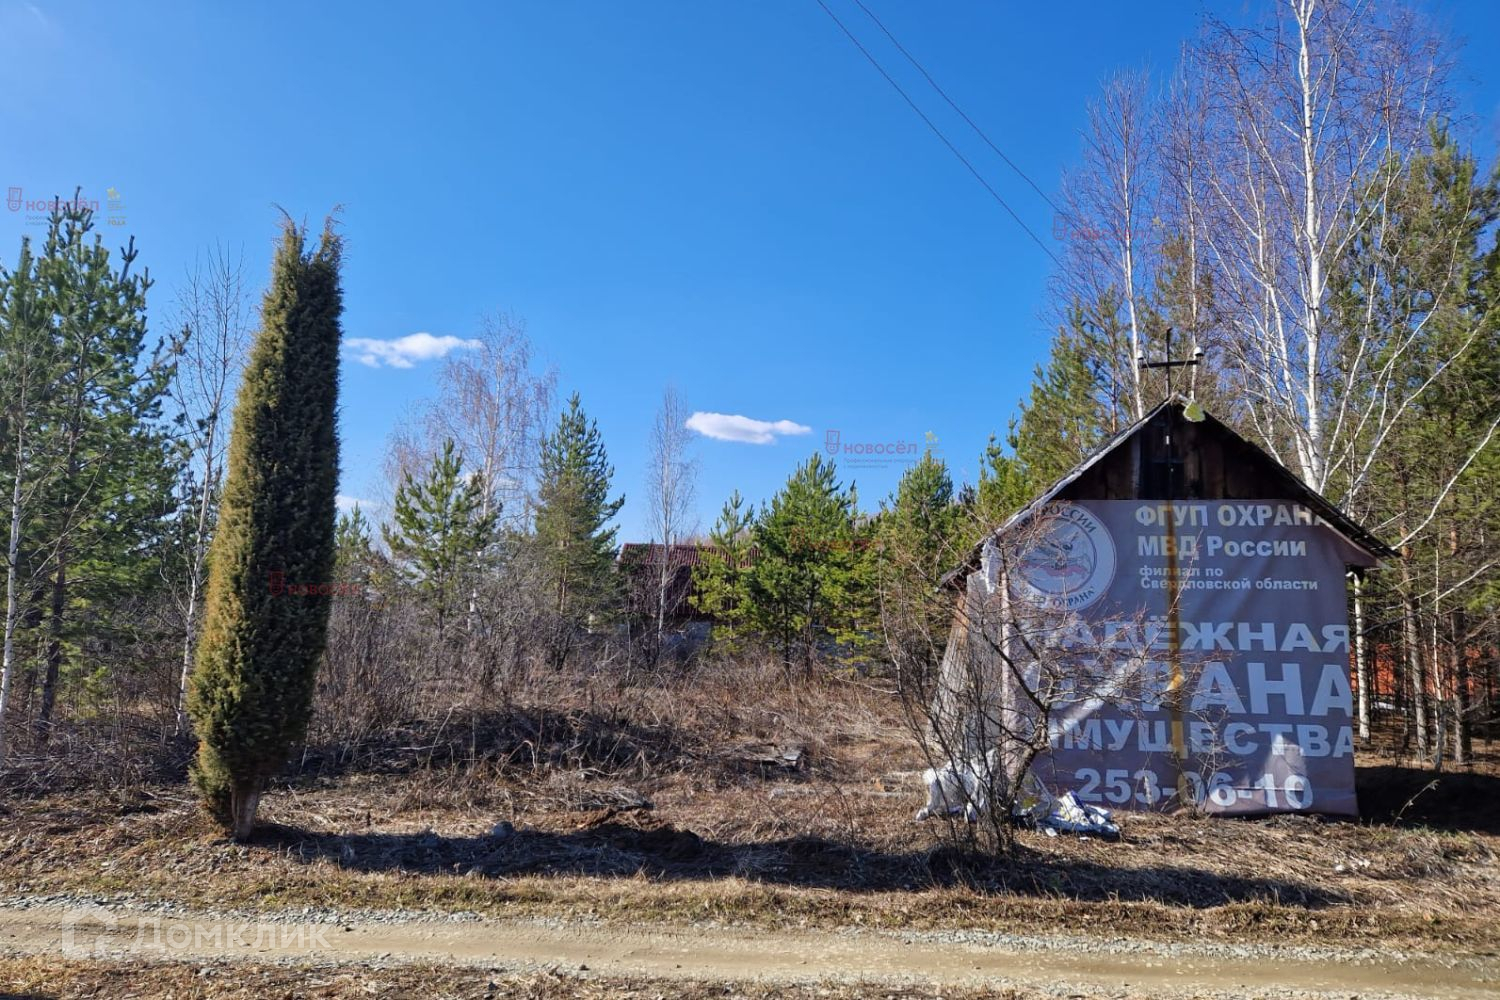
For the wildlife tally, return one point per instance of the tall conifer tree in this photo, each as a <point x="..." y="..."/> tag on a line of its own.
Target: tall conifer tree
<point x="87" y="461"/>
<point x="1062" y="423"/>
<point x="257" y="660"/>
<point x="573" y="511"/>
<point x="1003" y="486"/>
<point x="804" y="582"/>
<point x="921" y="535"/>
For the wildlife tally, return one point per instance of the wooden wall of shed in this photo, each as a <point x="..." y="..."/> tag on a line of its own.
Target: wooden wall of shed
<point x="1207" y="463"/>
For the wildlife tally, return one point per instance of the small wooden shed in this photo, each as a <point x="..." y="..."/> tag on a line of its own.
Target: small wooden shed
<point x="1165" y="456"/>
<point x="1208" y="573"/>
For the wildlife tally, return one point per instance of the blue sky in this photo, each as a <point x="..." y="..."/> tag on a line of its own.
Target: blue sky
<point x="721" y="196"/>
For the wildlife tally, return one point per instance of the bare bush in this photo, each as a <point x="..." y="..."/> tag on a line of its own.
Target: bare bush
<point x="1018" y="676"/>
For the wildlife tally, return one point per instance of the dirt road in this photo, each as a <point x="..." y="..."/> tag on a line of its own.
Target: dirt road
<point x="739" y="954"/>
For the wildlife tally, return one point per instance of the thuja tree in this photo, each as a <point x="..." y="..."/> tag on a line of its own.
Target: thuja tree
<point x="252" y="688"/>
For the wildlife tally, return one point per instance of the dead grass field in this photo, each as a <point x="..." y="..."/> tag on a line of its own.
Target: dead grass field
<point x="32" y="979"/>
<point x="652" y="807"/>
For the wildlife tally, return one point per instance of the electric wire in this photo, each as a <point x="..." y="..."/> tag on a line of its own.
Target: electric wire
<point x="938" y="132"/>
<point x="954" y="105"/>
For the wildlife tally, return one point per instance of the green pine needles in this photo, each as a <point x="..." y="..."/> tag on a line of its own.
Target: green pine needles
<point x="575" y="543"/>
<point x="722" y="580"/>
<point x="257" y="662"/>
<point x="442" y="534"/>
<point x="805" y="581"/>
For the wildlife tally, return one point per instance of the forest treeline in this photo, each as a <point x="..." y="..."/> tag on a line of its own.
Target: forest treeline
<point x="1291" y="200"/>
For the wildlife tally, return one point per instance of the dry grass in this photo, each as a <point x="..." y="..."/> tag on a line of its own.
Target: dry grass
<point x="407" y="823"/>
<point x="35" y="979"/>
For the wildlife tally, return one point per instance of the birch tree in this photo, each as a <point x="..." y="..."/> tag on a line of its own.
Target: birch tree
<point x="1182" y="130"/>
<point x="1314" y="230"/>
<point x="671" y="488"/>
<point x="1109" y="212"/>
<point x="1301" y="114"/>
<point x="216" y="318"/>
<point x="494" y="402"/>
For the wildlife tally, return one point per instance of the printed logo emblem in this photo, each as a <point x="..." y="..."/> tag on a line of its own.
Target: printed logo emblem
<point x="831" y="442"/>
<point x="1069" y="562"/>
<point x="13" y="199"/>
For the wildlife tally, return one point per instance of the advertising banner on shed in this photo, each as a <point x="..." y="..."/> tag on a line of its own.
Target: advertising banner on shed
<point x="1211" y="640"/>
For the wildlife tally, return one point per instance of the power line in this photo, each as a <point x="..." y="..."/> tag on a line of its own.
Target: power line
<point x="938" y="132"/>
<point x="954" y="105"/>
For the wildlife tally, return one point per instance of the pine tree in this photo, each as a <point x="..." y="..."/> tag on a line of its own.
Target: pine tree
<point x="27" y="376"/>
<point x="854" y="593"/>
<point x="575" y="546"/>
<point x="803" y="583"/>
<point x="1432" y="478"/>
<point x="1003" y="486"/>
<point x="922" y="536"/>
<point x="721" y="580"/>
<point x="919" y="528"/>
<point x="1101" y="336"/>
<point x="257" y="661"/>
<point x="91" y="467"/>
<point x="355" y="560"/>
<point x="442" y="533"/>
<point x="1184" y="302"/>
<point x="1062" y="422"/>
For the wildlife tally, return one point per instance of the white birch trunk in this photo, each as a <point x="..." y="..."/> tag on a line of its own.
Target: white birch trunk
<point x="1361" y="665"/>
<point x="195" y="584"/>
<point x="12" y="554"/>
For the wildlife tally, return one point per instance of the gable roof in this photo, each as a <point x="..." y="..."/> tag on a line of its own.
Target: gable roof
<point x="1290" y="487"/>
<point x="679" y="554"/>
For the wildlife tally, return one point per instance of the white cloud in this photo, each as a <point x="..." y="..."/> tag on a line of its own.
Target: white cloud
<point x="404" y="352"/>
<point x="348" y="503"/>
<point x="733" y="427"/>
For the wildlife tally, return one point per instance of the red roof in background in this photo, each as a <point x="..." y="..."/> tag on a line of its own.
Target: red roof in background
<point x="683" y="554"/>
